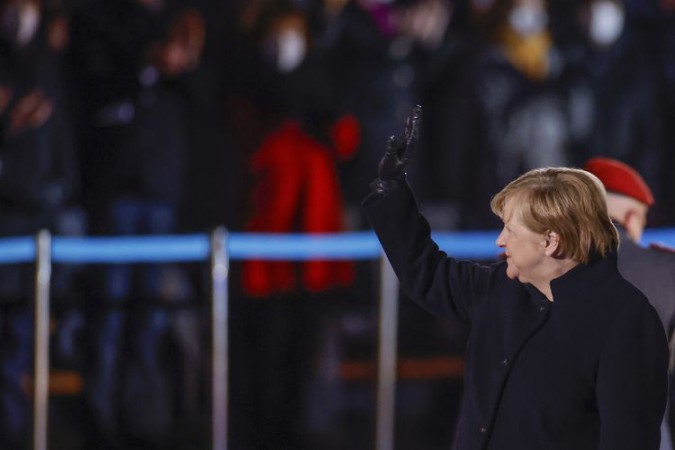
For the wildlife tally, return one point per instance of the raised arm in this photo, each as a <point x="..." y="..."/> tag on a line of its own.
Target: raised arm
<point x="443" y="285"/>
<point x="391" y="172"/>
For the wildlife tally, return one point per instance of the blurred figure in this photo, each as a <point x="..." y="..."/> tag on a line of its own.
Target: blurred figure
<point x="38" y="188"/>
<point x="302" y="136"/>
<point x="298" y="184"/>
<point x="295" y="185"/>
<point x="426" y="22"/>
<point x="362" y="48"/>
<point x="131" y="61"/>
<point x="665" y="36"/>
<point x="532" y="126"/>
<point x="505" y="115"/>
<point x="616" y="92"/>
<point x="442" y="51"/>
<point x="650" y="269"/>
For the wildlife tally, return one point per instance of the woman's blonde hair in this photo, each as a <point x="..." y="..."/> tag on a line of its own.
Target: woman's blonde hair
<point x="570" y="202"/>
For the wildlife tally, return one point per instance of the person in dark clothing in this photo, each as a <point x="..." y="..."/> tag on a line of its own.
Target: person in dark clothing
<point x="652" y="270"/>
<point x="372" y="77"/>
<point x="131" y="63"/>
<point x="628" y="201"/>
<point x="613" y="81"/>
<point x="563" y="352"/>
<point x="37" y="191"/>
<point x="496" y="110"/>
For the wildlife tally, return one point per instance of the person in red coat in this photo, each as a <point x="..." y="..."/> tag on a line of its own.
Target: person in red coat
<point x="563" y="352"/>
<point x="298" y="190"/>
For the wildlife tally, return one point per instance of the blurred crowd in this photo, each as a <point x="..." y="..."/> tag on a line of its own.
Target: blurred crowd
<point x="121" y="117"/>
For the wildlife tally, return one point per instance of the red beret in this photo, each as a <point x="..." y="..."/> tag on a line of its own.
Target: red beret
<point x="620" y="178"/>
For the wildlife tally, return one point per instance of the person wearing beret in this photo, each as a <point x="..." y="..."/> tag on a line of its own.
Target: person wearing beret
<point x="651" y="269"/>
<point x="563" y="352"/>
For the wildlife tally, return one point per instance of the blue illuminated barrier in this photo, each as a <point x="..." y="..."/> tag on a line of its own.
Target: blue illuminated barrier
<point x="220" y="248"/>
<point x="185" y="248"/>
<point x="240" y="246"/>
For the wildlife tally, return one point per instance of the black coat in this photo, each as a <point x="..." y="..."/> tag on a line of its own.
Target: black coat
<point x="587" y="371"/>
<point x="38" y="167"/>
<point x="134" y="123"/>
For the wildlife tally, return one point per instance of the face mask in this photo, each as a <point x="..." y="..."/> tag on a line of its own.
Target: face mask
<point x="20" y="22"/>
<point x="291" y="50"/>
<point x="607" y="22"/>
<point x="528" y="20"/>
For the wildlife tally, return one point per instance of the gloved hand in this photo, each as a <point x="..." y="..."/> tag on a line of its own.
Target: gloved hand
<point x="393" y="165"/>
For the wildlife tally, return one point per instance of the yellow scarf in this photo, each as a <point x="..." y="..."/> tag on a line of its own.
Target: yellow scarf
<point x="528" y="54"/>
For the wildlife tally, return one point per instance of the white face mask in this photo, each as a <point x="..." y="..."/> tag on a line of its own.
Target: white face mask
<point x="29" y="23"/>
<point x="607" y="22"/>
<point x="528" y="20"/>
<point x="291" y="50"/>
<point x="20" y="22"/>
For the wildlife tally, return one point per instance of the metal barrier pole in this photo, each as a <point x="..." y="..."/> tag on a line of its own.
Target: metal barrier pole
<point x="219" y="338"/>
<point x="43" y="273"/>
<point x="386" y="362"/>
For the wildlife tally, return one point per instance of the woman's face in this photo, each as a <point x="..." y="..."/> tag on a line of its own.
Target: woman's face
<point x="524" y="249"/>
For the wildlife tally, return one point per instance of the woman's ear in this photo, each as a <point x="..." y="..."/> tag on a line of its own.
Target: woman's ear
<point x="552" y="243"/>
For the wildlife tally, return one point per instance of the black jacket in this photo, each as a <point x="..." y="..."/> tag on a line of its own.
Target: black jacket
<point x="587" y="371"/>
<point x="38" y="167"/>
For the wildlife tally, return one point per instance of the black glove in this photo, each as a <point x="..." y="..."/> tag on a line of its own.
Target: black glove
<point x="393" y="165"/>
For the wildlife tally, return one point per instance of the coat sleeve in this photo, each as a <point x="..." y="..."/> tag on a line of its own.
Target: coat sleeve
<point x="445" y="286"/>
<point x="632" y="380"/>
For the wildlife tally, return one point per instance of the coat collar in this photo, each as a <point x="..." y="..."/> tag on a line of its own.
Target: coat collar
<point x="581" y="280"/>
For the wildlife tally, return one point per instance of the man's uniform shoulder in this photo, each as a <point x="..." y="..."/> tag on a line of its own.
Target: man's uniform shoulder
<point x="662" y="248"/>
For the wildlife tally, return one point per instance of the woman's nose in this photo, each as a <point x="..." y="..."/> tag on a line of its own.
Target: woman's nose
<point x="500" y="240"/>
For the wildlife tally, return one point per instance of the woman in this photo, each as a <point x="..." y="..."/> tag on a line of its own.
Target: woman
<point x="563" y="353"/>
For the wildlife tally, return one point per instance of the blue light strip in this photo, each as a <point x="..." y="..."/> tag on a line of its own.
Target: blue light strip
<point x="663" y="236"/>
<point x="20" y="249"/>
<point x="241" y="246"/>
<point x="129" y="249"/>
<point x="469" y="244"/>
<point x="359" y="245"/>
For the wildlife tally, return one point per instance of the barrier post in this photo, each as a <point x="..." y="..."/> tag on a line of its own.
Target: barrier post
<point x="386" y="360"/>
<point x="43" y="272"/>
<point x="219" y="338"/>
